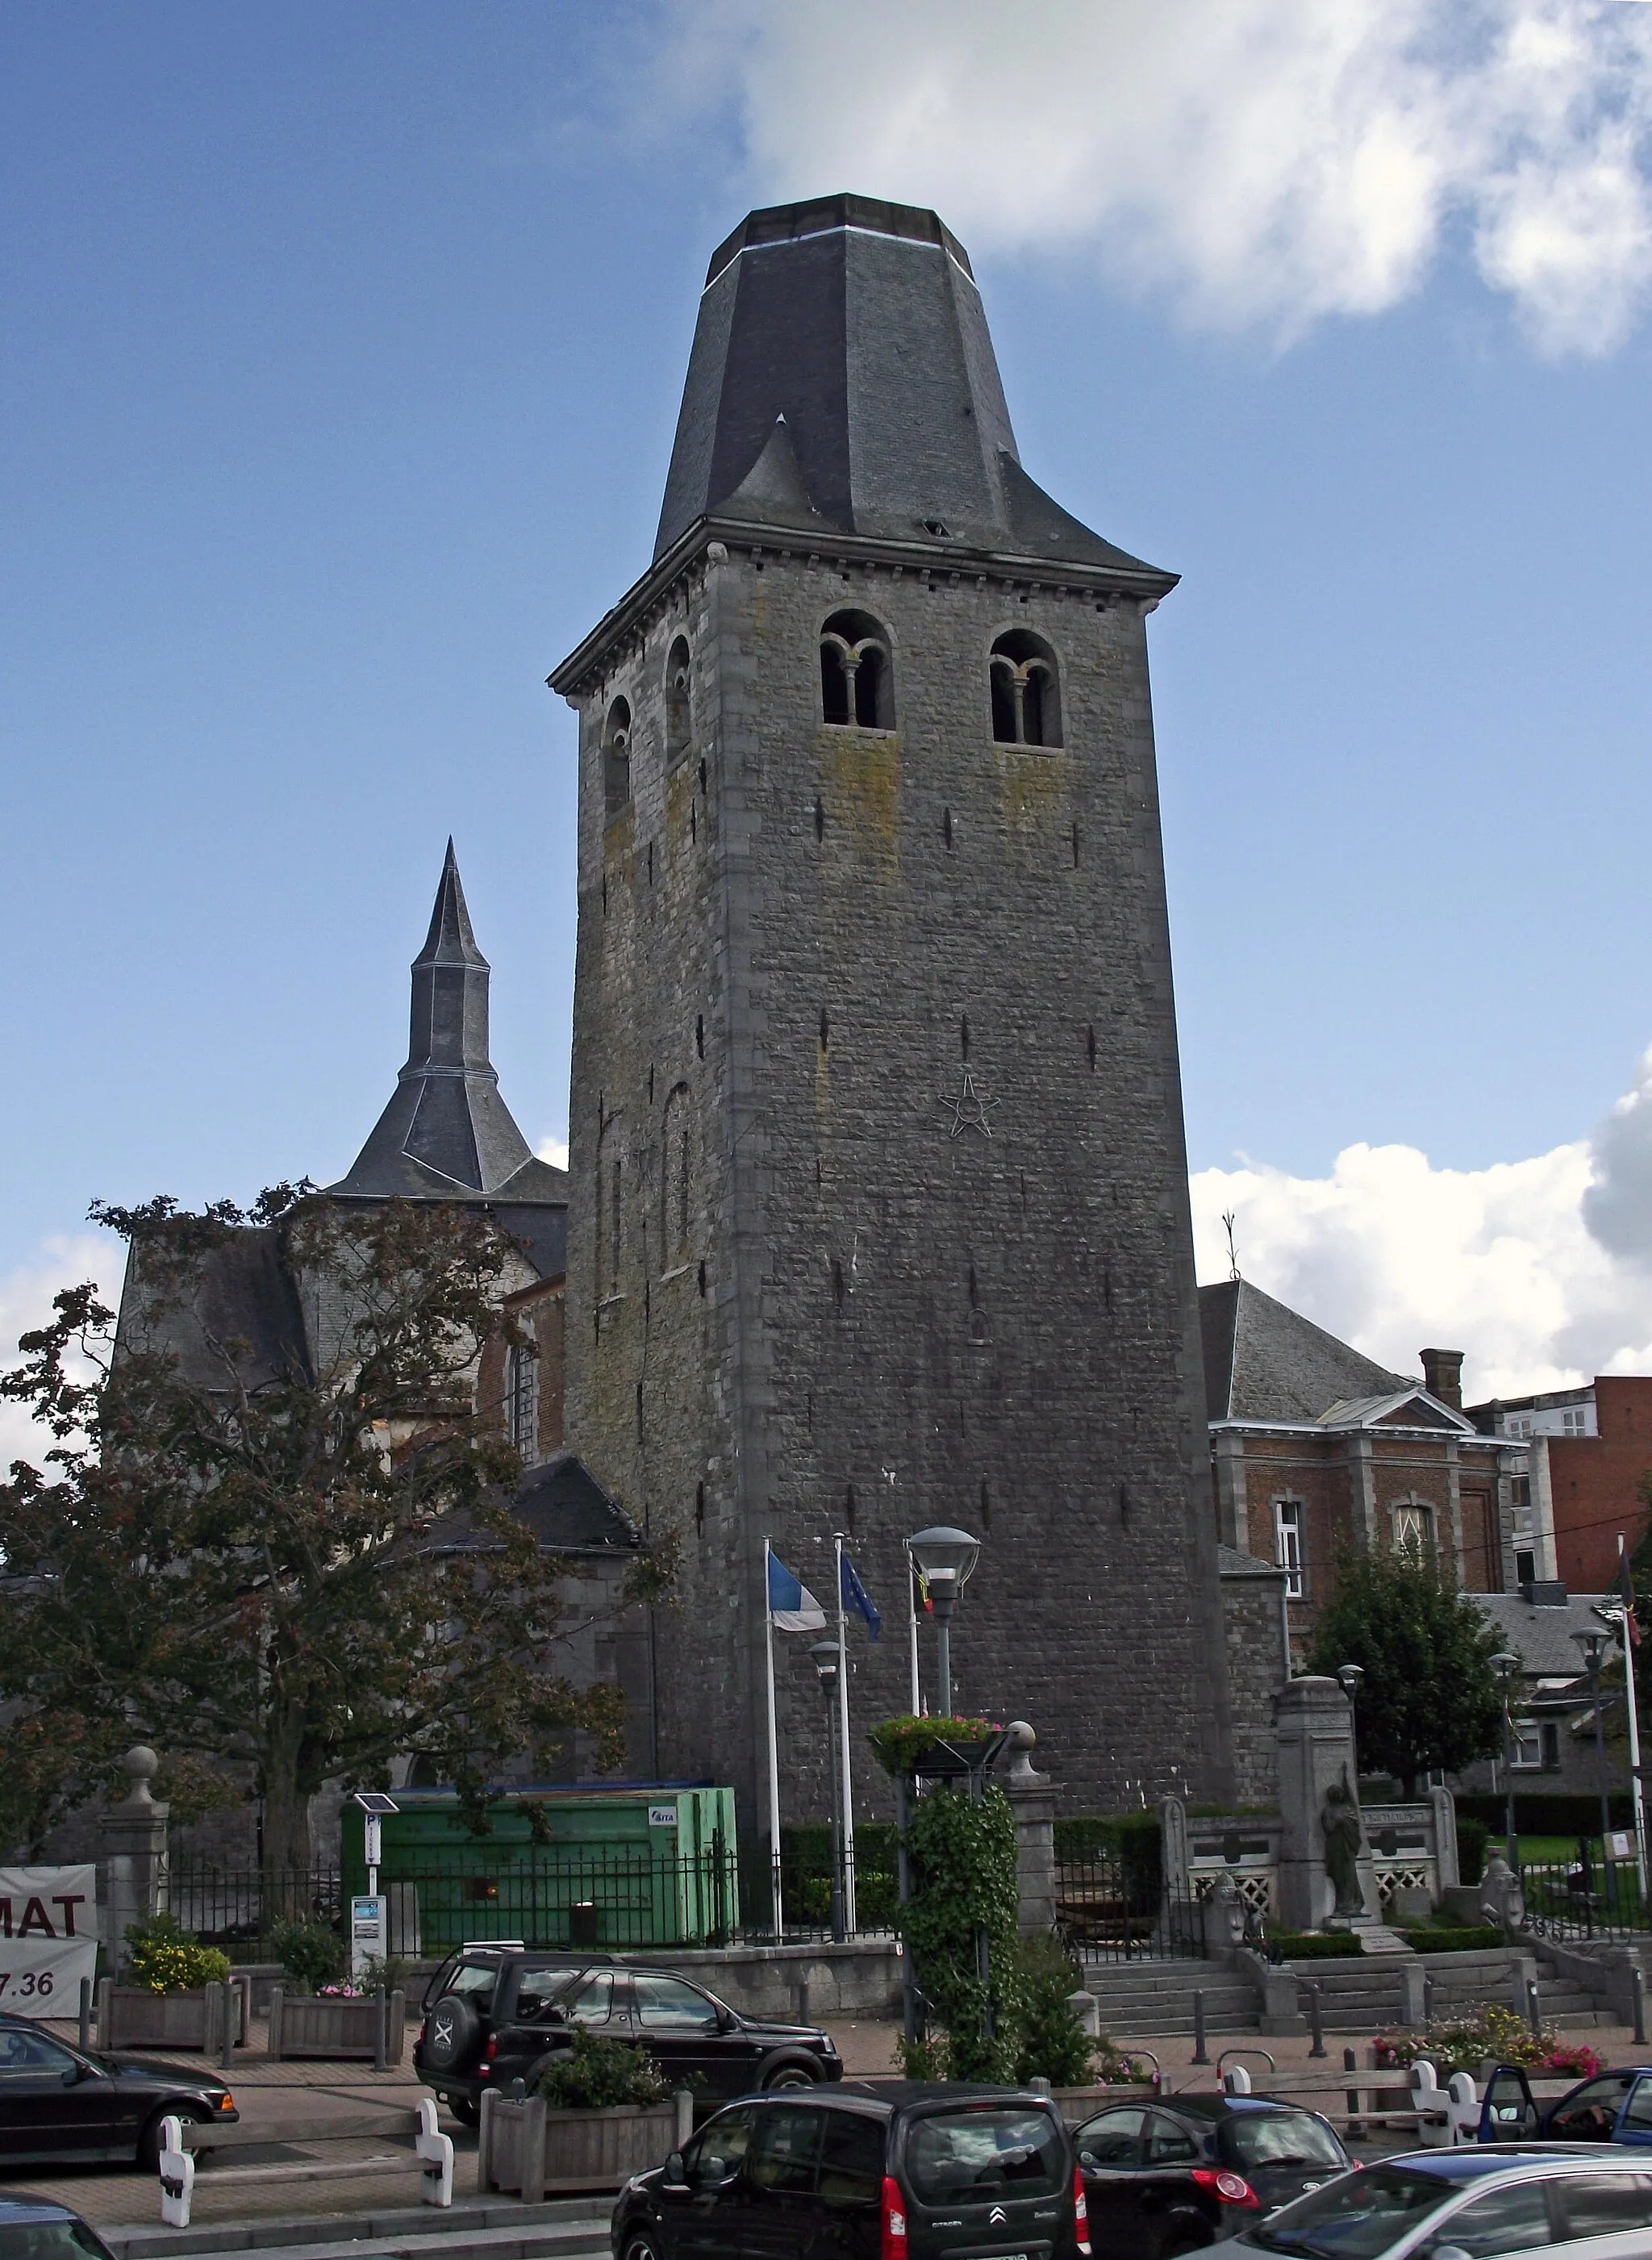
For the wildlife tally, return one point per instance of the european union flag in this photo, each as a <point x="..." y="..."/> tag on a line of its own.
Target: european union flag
<point x="856" y="1597"/>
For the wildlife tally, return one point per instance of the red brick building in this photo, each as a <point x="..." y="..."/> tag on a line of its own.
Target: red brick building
<point x="1588" y="1451"/>
<point x="1315" y="1448"/>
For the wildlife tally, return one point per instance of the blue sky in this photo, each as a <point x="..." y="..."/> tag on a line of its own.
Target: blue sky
<point x="343" y="350"/>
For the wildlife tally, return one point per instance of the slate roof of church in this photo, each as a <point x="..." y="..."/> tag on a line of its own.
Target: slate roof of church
<point x="843" y="379"/>
<point x="1263" y="1362"/>
<point x="447" y="1134"/>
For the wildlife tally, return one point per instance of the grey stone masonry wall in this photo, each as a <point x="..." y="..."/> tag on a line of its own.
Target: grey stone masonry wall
<point x="906" y="994"/>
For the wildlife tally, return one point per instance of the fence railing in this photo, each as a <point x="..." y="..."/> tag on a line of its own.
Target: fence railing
<point x="619" y="1900"/>
<point x="1108" y="1910"/>
<point x="1583" y="1899"/>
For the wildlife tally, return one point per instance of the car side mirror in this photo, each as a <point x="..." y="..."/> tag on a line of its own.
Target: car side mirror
<point x="727" y="2021"/>
<point x="72" y="2077"/>
<point x="675" y="2173"/>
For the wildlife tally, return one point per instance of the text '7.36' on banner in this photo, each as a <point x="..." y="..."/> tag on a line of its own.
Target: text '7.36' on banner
<point x="48" y="1938"/>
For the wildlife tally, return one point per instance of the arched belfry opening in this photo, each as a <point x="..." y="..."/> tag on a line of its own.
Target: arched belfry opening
<point x="857" y="678"/>
<point x="1026" y="694"/>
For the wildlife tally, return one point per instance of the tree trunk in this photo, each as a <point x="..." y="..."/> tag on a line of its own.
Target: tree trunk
<point x="287" y="1891"/>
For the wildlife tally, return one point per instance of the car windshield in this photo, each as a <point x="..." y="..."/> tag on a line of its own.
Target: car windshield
<point x="1358" y="2217"/>
<point x="955" y="2152"/>
<point x="49" y="2239"/>
<point x="1281" y="2138"/>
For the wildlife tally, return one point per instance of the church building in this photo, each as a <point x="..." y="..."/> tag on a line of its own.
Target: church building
<point x="879" y="1208"/>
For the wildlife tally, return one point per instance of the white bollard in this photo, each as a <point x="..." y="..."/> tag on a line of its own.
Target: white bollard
<point x="1433" y="2115"/>
<point x="436" y="2152"/>
<point x="178" y="2176"/>
<point x="1465" y="2107"/>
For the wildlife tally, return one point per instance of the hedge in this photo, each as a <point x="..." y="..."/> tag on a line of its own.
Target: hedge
<point x="1447" y="1938"/>
<point x="1473" y="1837"/>
<point x="1313" y="1945"/>
<point x="1554" y="1812"/>
<point x="805" y="1869"/>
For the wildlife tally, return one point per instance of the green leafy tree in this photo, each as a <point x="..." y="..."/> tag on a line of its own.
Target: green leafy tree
<point x="1429" y="1698"/>
<point x="281" y="1576"/>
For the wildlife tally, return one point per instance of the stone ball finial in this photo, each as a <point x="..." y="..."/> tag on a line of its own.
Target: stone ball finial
<point x="1023" y="1740"/>
<point x="141" y="1766"/>
<point x="1022" y="1737"/>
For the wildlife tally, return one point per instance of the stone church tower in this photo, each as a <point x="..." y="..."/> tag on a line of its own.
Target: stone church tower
<point x="880" y="1212"/>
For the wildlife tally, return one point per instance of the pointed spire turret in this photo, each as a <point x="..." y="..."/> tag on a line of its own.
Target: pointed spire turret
<point x="447" y="1132"/>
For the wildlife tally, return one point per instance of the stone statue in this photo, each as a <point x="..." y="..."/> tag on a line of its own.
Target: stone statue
<point x="1340" y="1819"/>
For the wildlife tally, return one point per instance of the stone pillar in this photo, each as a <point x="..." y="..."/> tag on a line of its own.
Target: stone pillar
<point x="132" y="1876"/>
<point x="1314" y="1723"/>
<point x="1448" y="1875"/>
<point x="1033" y="1796"/>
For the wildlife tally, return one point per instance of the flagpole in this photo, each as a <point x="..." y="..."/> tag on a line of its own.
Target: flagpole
<point x="911" y="1632"/>
<point x="1626" y="1587"/>
<point x="773" y="1750"/>
<point x="850" y="1924"/>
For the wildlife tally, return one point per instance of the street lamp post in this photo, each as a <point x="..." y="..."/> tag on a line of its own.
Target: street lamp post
<point x="1593" y="1645"/>
<point x="1351" y="1678"/>
<point x="823" y="1654"/>
<point x="946" y="1556"/>
<point x="1507" y="1668"/>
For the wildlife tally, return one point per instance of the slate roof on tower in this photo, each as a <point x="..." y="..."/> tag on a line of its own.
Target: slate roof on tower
<point x="447" y="1134"/>
<point x="843" y="379"/>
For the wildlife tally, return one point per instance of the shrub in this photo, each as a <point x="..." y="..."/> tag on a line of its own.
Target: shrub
<point x="601" y="2074"/>
<point x="962" y="1858"/>
<point x="165" y="1958"/>
<point x="1314" y="1945"/>
<point x="1448" y="1938"/>
<point x="1052" y="2043"/>
<point x="310" y="1953"/>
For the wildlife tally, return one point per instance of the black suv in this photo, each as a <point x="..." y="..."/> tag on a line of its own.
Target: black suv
<point x="496" y="2013"/>
<point x="891" y="2169"/>
<point x="1185" y="2171"/>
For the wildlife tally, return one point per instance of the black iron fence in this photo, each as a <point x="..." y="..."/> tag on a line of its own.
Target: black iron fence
<point x="1112" y="1909"/>
<point x="1584" y="1899"/>
<point x="619" y="1900"/>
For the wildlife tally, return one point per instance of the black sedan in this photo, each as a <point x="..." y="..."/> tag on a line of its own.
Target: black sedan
<point x="74" y="2106"/>
<point x="1185" y="2171"/>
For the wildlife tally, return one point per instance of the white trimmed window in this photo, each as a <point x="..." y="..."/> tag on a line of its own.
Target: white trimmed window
<point x="1287" y="1545"/>
<point x="1413" y="1524"/>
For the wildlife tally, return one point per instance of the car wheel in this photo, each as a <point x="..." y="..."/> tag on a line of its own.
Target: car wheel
<point x="785" y="2076"/>
<point x="149" y="2141"/>
<point x="449" y="2030"/>
<point x="1184" y="2239"/>
<point x="640" y="2247"/>
<point x="466" y="2112"/>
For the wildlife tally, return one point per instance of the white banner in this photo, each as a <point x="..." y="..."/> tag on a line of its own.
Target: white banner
<point x="48" y="1938"/>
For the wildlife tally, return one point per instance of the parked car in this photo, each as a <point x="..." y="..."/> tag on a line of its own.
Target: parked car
<point x="495" y="2014"/>
<point x="902" y="2171"/>
<point x="1466" y="2205"/>
<point x="36" y="2228"/>
<point x="1612" y="2106"/>
<point x="1178" y="2173"/>
<point x="59" y="2102"/>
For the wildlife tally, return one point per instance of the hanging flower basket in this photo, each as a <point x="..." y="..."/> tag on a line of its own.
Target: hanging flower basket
<point x="937" y="1748"/>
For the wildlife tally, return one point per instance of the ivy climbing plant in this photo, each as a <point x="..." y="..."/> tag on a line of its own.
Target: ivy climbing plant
<point x="963" y="1883"/>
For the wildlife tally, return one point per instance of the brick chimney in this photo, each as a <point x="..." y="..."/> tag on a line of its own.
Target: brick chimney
<point x="1442" y="1375"/>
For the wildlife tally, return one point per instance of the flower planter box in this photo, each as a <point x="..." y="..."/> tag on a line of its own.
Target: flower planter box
<point x="335" y="2025"/>
<point x="132" y="2017"/>
<point x="530" y="2148"/>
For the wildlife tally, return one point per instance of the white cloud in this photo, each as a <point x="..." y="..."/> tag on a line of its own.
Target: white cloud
<point x="1261" y="162"/>
<point x="25" y="1303"/>
<point x="1540" y="1270"/>
<point x="553" y="1150"/>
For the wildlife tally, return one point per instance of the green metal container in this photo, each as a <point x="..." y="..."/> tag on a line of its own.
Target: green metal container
<point x="645" y="1867"/>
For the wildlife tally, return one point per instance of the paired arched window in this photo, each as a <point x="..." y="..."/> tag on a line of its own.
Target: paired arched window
<point x="1026" y="696"/>
<point x="857" y="681"/>
<point x="616" y="758"/>
<point x="522" y="1401"/>
<point x="679" y="720"/>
